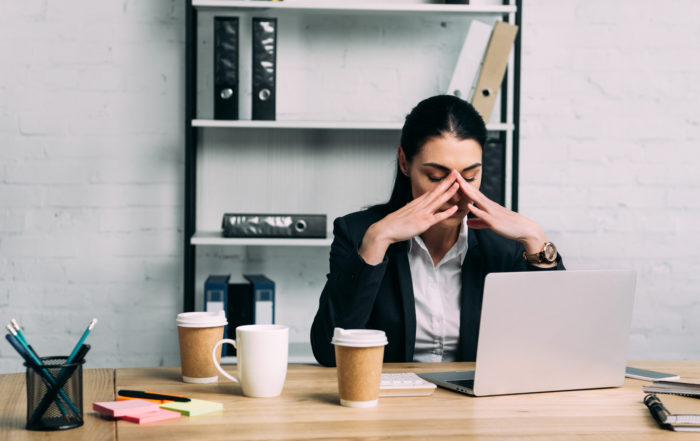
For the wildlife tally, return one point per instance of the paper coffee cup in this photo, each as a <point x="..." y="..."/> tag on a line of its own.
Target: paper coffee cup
<point x="197" y="333"/>
<point x="359" y="354"/>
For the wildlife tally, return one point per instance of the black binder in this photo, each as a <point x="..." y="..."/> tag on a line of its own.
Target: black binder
<point x="273" y="225"/>
<point x="239" y="309"/>
<point x="226" y="67"/>
<point x="264" y="67"/>
<point x="493" y="184"/>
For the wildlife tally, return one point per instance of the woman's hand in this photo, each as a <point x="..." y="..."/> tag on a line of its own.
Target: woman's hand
<point x="410" y="220"/>
<point x="501" y="220"/>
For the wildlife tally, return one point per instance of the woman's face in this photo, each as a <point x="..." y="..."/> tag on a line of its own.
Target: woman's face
<point x="434" y="162"/>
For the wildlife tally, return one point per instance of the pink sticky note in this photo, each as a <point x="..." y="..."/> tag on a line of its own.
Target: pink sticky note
<point x="152" y="417"/>
<point x="118" y="409"/>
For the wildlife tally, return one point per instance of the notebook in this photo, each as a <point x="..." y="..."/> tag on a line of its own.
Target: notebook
<point x="548" y="331"/>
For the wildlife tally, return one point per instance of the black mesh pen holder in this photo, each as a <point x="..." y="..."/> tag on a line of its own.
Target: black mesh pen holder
<point x="54" y="394"/>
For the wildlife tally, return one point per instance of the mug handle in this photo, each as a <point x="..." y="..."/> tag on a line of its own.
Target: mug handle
<point x="216" y="363"/>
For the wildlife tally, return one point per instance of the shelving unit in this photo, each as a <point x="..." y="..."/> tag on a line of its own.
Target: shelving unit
<point x="303" y="134"/>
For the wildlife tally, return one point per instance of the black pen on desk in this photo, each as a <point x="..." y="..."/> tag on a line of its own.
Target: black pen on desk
<point x="152" y="395"/>
<point x="658" y="411"/>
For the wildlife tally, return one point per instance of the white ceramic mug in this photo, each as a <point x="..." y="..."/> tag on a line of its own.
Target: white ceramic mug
<point x="261" y="351"/>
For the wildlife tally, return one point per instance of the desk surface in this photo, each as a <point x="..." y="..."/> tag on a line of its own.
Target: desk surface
<point x="309" y="409"/>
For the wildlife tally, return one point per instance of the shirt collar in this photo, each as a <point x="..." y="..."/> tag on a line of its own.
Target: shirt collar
<point x="460" y="247"/>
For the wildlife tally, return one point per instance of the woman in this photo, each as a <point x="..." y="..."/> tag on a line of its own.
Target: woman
<point x="415" y="266"/>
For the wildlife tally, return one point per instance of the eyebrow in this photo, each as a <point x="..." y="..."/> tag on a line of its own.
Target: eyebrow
<point x="442" y="167"/>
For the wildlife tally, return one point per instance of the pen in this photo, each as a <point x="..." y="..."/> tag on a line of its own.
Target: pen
<point x="658" y="411"/>
<point x="81" y="341"/>
<point x="152" y="395"/>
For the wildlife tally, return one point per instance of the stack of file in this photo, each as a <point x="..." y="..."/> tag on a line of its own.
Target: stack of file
<point x="673" y="387"/>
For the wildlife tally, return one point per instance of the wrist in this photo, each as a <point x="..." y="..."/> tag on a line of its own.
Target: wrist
<point x="534" y="244"/>
<point x="374" y="245"/>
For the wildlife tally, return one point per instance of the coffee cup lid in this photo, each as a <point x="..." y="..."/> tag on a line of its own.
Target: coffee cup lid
<point x="207" y="319"/>
<point x="359" y="338"/>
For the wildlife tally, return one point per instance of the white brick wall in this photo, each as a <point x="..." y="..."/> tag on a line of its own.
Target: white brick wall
<point x="91" y="172"/>
<point x="609" y="152"/>
<point x="91" y="104"/>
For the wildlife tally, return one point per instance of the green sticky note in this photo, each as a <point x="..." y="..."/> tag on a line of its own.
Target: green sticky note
<point x="194" y="407"/>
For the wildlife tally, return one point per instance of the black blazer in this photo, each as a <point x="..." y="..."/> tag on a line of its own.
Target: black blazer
<point x="362" y="296"/>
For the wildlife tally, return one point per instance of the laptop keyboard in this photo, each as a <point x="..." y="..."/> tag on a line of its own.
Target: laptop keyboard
<point x="467" y="384"/>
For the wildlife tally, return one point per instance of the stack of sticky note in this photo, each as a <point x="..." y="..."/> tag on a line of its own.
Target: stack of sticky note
<point x="136" y="411"/>
<point x="141" y="411"/>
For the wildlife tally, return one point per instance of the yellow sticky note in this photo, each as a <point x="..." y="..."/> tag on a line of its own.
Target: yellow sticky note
<point x="194" y="407"/>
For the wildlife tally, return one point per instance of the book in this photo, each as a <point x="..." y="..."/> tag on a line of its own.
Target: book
<point x="673" y="387"/>
<point x="675" y="412"/>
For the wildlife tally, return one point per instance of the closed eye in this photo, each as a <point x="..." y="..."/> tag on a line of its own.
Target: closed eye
<point x="436" y="179"/>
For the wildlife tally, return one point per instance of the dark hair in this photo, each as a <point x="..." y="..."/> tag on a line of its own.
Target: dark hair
<point x="433" y="117"/>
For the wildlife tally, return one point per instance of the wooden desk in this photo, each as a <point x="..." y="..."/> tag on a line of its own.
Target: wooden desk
<point x="309" y="409"/>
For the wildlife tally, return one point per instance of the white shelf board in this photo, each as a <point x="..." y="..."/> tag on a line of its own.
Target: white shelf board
<point x="214" y="238"/>
<point x="349" y="6"/>
<point x="299" y="353"/>
<point x="361" y="125"/>
<point x="322" y="125"/>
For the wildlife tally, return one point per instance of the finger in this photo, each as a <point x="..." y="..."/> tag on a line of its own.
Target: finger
<point x="446" y="196"/>
<point x="442" y="215"/>
<point x="472" y="192"/>
<point x="440" y="189"/>
<point x="477" y="224"/>
<point x="482" y="214"/>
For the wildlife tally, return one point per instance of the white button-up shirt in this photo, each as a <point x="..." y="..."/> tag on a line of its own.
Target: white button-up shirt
<point x="437" y="290"/>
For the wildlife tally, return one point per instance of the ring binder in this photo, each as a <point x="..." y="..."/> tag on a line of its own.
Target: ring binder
<point x="225" y="67"/>
<point x="264" y="68"/>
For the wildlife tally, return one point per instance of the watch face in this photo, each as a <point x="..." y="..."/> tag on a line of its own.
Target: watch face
<point x="550" y="252"/>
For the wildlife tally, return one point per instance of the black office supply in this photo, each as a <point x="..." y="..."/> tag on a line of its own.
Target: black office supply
<point x="493" y="183"/>
<point x="226" y="91"/>
<point x="61" y="380"/>
<point x="274" y="225"/>
<point x="44" y="410"/>
<point x="264" y="68"/>
<point x="152" y="395"/>
<point x="240" y="309"/>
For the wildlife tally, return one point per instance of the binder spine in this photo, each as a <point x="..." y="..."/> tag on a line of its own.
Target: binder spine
<point x="226" y="33"/>
<point x="274" y="225"/>
<point x="264" y="68"/>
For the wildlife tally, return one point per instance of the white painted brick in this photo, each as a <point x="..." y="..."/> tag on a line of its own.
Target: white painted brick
<point x="60" y="221"/>
<point x="130" y="219"/>
<point x="11" y="222"/>
<point x="54" y="172"/>
<point x="21" y="196"/>
<point x="106" y="269"/>
<point x="146" y="171"/>
<point x="112" y="195"/>
<point x="38" y="270"/>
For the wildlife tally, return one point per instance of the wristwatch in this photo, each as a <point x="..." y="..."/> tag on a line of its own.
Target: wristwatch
<point x="547" y="255"/>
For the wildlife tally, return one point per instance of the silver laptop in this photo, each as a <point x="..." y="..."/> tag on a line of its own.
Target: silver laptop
<point x="549" y="331"/>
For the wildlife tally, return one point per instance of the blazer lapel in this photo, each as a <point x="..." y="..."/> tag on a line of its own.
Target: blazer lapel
<point x="472" y="294"/>
<point x="403" y="271"/>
